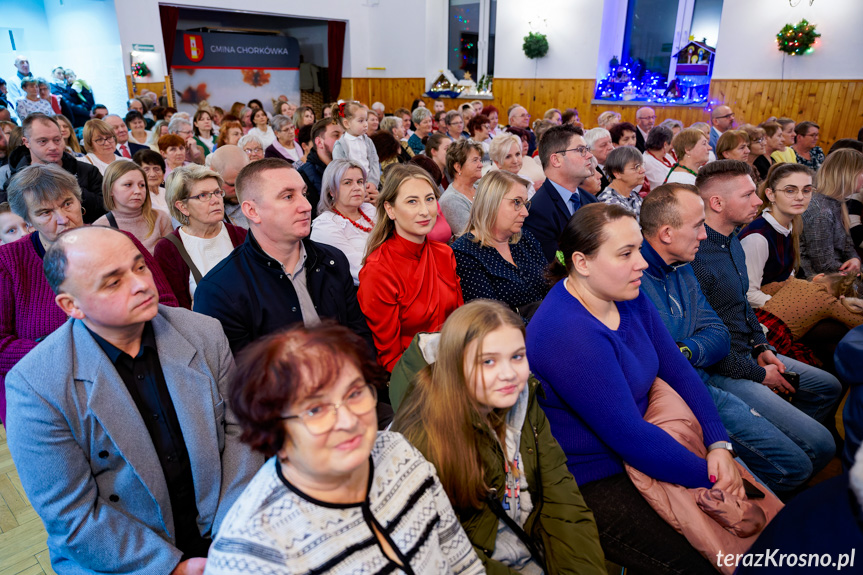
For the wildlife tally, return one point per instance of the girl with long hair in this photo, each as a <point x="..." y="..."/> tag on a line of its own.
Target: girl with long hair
<point x="473" y="413"/>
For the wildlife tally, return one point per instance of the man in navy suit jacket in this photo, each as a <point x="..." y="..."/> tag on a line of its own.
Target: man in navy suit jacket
<point x="565" y="158"/>
<point x="122" y="133"/>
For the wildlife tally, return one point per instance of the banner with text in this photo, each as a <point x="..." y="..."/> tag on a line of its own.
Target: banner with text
<point x="226" y="68"/>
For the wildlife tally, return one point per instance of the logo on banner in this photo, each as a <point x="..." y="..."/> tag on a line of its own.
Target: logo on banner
<point x="194" y="47"/>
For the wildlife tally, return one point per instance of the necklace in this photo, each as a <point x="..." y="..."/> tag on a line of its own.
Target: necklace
<point x="356" y="224"/>
<point x="667" y="163"/>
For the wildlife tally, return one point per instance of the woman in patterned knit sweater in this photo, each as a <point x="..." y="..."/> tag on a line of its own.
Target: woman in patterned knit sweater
<point x="336" y="495"/>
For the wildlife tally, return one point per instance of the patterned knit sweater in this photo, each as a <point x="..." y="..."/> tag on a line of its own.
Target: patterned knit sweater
<point x="27" y="309"/>
<point x="274" y="528"/>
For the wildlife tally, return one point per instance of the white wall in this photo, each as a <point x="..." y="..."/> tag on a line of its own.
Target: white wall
<point x="77" y="34"/>
<point x="573" y="29"/>
<point x="747" y="40"/>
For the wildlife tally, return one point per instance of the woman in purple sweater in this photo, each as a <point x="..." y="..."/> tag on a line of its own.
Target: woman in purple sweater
<point x="49" y="199"/>
<point x="597" y="382"/>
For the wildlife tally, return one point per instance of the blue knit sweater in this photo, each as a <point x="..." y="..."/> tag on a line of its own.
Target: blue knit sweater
<point x="597" y="381"/>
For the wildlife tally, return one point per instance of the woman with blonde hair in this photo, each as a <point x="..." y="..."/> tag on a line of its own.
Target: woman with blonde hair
<point x="127" y="199"/>
<point x="408" y="283"/>
<point x="304" y="116"/>
<point x="473" y="412"/>
<point x="100" y="142"/>
<point x="496" y="258"/>
<point x="505" y="152"/>
<point x="826" y="244"/>
<point x="608" y="119"/>
<point x="68" y="133"/>
<point x="554" y="116"/>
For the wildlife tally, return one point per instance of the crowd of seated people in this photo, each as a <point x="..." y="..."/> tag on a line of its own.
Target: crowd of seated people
<point x="518" y="302"/>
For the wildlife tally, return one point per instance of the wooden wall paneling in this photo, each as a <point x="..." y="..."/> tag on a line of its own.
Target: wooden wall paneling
<point x="152" y="86"/>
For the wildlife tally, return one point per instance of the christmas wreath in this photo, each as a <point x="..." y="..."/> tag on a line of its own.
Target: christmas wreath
<point x="797" y="40"/>
<point x="535" y="45"/>
<point x="140" y="70"/>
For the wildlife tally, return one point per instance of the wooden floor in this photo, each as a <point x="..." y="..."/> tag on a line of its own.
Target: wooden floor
<point x="22" y="537"/>
<point x="23" y="548"/>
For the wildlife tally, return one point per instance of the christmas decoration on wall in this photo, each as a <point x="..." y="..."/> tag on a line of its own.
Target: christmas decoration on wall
<point x="798" y="39"/>
<point x="444" y="86"/>
<point x="485" y="84"/>
<point x="140" y="70"/>
<point x="535" y="45"/>
<point x="633" y="81"/>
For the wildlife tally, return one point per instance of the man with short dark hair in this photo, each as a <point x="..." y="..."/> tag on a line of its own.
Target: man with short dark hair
<point x="43" y="144"/>
<point x="325" y="133"/>
<point x="752" y="370"/>
<point x="98" y="112"/>
<point x="144" y="458"/>
<point x="565" y="159"/>
<point x="784" y="452"/>
<point x="278" y="276"/>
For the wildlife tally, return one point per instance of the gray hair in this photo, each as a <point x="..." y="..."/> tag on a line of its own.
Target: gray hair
<point x="279" y="121"/>
<point x="619" y="158"/>
<point x="500" y="146"/>
<point x="658" y="136"/>
<point x="591" y="137"/>
<point x="389" y="123"/>
<point x="250" y="138"/>
<point x="452" y="115"/>
<point x="225" y="157"/>
<point x="671" y="123"/>
<point x="379" y="107"/>
<point x="176" y="123"/>
<point x="420" y="114"/>
<point x="178" y="186"/>
<point x="42" y="183"/>
<point x="331" y="181"/>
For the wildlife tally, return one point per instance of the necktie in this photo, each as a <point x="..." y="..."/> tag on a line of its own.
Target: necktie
<point x="575" y="202"/>
<point x="124" y="149"/>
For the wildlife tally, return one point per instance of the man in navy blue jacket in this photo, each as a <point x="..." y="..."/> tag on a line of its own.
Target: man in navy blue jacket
<point x="673" y="228"/>
<point x="278" y="276"/>
<point x="565" y="159"/>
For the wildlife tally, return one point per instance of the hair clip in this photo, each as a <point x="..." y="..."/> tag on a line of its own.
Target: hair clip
<point x="560" y="258"/>
<point x="342" y="109"/>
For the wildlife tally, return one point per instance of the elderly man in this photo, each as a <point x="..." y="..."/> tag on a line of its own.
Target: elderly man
<point x="519" y="117"/>
<point x="22" y="67"/>
<point x="645" y="118"/>
<point x="599" y="142"/>
<point x="183" y="128"/>
<point x="566" y="161"/>
<point x="721" y="120"/>
<point x="783" y="452"/>
<point x="325" y="134"/>
<point x="125" y="148"/>
<point x="752" y="371"/>
<point x="43" y="144"/>
<point x="144" y="458"/>
<point x="227" y="161"/>
<point x="278" y="276"/>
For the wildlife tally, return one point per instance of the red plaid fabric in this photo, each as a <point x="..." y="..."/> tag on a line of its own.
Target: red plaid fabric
<point x="780" y="337"/>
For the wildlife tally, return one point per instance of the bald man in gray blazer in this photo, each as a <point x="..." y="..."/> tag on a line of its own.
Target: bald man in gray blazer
<point x="117" y="421"/>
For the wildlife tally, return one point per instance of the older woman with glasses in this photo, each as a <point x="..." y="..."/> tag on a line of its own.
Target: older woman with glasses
<point x="496" y="259"/>
<point x="100" y="144"/>
<point x="252" y="145"/>
<point x="626" y="168"/>
<point x="195" y="197"/>
<point x="285" y="146"/>
<point x="336" y="495"/>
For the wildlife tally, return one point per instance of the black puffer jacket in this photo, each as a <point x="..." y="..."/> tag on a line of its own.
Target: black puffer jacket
<point x="88" y="176"/>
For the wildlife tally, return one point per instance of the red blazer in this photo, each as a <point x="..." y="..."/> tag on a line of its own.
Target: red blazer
<point x="175" y="268"/>
<point x="407" y="288"/>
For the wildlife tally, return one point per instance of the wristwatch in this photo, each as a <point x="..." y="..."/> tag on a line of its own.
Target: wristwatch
<point x="687" y="353"/>
<point x="761" y="348"/>
<point x="722" y="445"/>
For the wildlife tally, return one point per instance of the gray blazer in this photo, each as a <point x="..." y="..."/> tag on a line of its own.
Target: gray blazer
<point x="85" y="457"/>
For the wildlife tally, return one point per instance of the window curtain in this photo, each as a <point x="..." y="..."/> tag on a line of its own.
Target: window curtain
<point x="336" y="48"/>
<point x="169" y="15"/>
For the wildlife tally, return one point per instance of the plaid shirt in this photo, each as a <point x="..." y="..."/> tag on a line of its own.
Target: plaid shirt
<point x="824" y="244"/>
<point x="720" y="267"/>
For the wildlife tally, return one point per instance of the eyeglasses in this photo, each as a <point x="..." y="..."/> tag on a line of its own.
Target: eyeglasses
<point x="321" y="418"/>
<point x="646" y="118"/>
<point x="635" y="167"/>
<point x="518" y="204"/>
<point x="186" y="132"/>
<point x="251" y="151"/>
<point x="103" y="141"/>
<point x="583" y="150"/>
<point x="725" y="116"/>
<point x="758" y="141"/>
<point x="205" y="196"/>
<point x="792" y="192"/>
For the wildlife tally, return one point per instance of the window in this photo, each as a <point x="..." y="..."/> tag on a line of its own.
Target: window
<point x="646" y="36"/>
<point x="470" y="46"/>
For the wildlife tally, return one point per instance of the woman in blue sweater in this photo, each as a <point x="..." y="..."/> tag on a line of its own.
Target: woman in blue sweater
<point x="596" y="386"/>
